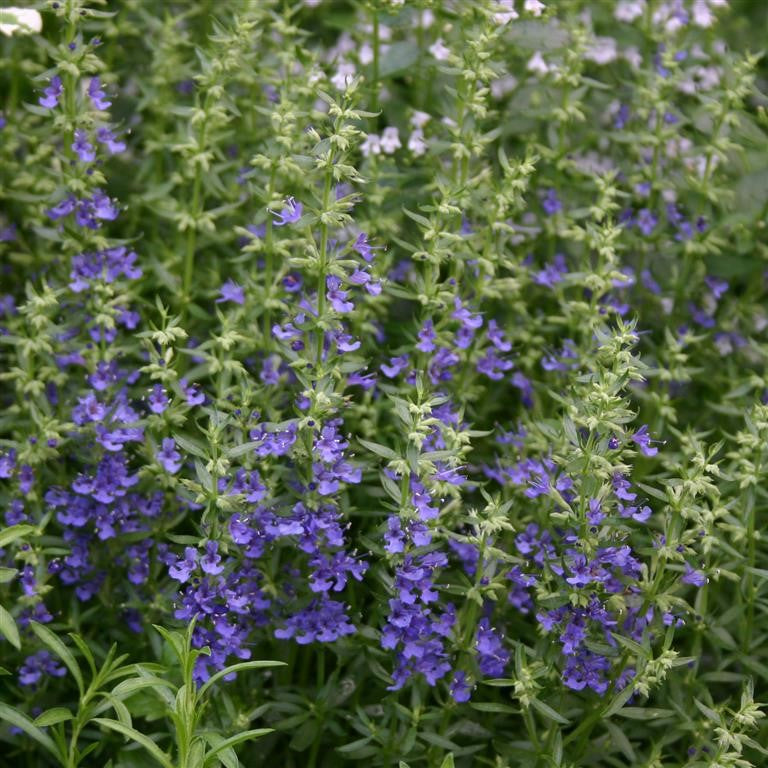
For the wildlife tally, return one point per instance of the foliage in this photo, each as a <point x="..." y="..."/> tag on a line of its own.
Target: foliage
<point x="419" y="347"/>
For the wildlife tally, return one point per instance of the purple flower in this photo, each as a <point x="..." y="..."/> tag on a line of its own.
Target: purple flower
<point x="586" y="669"/>
<point x="62" y="208"/>
<point x="182" y="569"/>
<point x="105" y="136"/>
<point x="191" y="393"/>
<point x="290" y="214"/>
<point x="52" y="93"/>
<point x="595" y="515"/>
<point x="169" y="457"/>
<point x="717" y="286"/>
<point x="26" y="478"/>
<point x="643" y="440"/>
<point x="103" y="207"/>
<point x="465" y="317"/>
<point x="460" y="689"/>
<point x="646" y="221"/>
<point x="231" y="291"/>
<point x="694" y="577"/>
<point x="97" y="95"/>
<point x="552" y="274"/>
<point x="337" y="297"/>
<point x="82" y="147"/>
<point x="492" y="657"/>
<point x="210" y="561"/>
<point x="621" y="488"/>
<point x="551" y="203"/>
<point x="7" y="464"/>
<point x="395" y="366"/>
<point x="37" y="665"/>
<point x="363" y="247"/>
<point x="496" y="337"/>
<point x="158" y="400"/>
<point x="427" y="337"/>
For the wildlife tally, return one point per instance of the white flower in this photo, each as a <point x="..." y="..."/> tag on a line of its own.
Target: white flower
<point x="702" y="14"/>
<point x="633" y="56"/>
<point x="438" y="50"/>
<point x="669" y="195"/>
<point x="23" y="20"/>
<point x="312" y="3"/>
<point x="602" y="50"/>
<point x="537" y="64"/>
<point x="416" y="143"/>
<point x="502" y="86"/>
<point x="427" y="19"/>
<point x="344" y="75"/>
<point x="536" y="7"/>
<point x="629" y="10"/>
<point x="371" y="145"/>
<point x="419" y="119"/>
<point x="707" y="78"/>
<point x="723" y="344"/>
<point x="366" y="54"/>
<point x="390" y="139"/>
<point x="507" y="12"/>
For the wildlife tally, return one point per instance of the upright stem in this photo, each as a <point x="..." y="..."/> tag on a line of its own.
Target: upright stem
<point x="195" y="210"/>
<point x="749" y="585"/>
<point x="323" y="261"/>
<point x="375" y="73"/>
<point x="268" y="265"/>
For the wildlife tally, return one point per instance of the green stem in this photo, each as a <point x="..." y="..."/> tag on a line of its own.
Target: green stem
<point x="195" y="210"/>
<point x="268" y="265"/>
<point x="375" y="72"/>
<point x="749" y="585"/>
<point x="530" y="726"/>
<point x="323" y="261"/>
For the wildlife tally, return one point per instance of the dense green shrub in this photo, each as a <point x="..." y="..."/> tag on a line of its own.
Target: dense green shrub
<point x="402" y="364"/>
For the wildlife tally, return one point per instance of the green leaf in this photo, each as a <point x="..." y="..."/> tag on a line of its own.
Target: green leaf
<point x="353" y="746"/>
<point x="127" y="688"/>
<point x="8" y="628"/>
<point x="629" y="644"/>
<point x="190" y="446"/>
<point x="61" y="650"/>
<point x="379" y="450"/>
<point x="490" y="706"/>
<point x="437" y="740"/>
<point x="227" y="757"/>
<point x="15" y="532"/>
<point x="645" y="713"/>
<point x="548" y="712"/>
<point x="398" y="58"/>
<point x="53" y="716"/>
<point x="240" y="450"/>
<point x="85" y="650"/>
<point x="418" y="218"/>
<point x="621" y="741"/>
<point x="448" y="761"/>
<point x="238" y="668"/>
<point x="619" y="701"/>
<point x="237" y="739"/>
<point x="139" y="738"/>
<point x="20" y="720"/>
<point x="7" y="574"/>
